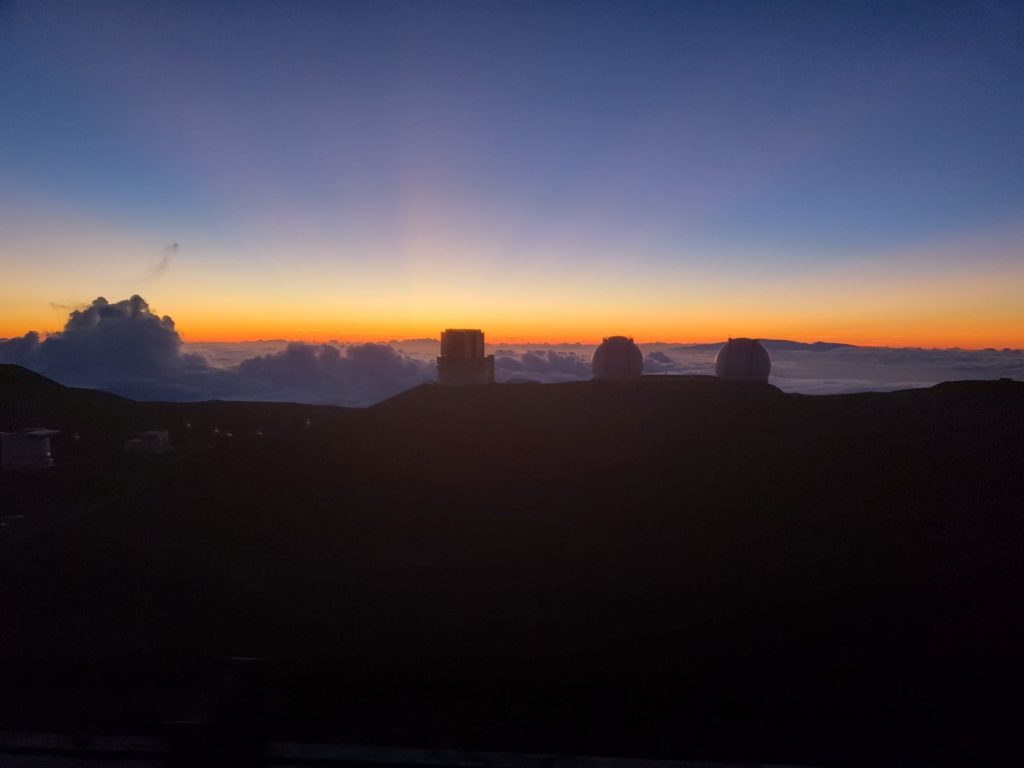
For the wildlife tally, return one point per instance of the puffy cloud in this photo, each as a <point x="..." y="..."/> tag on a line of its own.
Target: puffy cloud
<point x="659" y="362"/>
<point x="104" y="342"/>
<point x="20" y="350"/>
<point x="355" y="375"/>
<point x="697" y="360"/>
<point x="548" y="366"/>
<point x="125" y="348"/>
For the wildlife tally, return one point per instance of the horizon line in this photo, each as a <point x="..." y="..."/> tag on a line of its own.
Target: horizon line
<point x="506" y="342"/>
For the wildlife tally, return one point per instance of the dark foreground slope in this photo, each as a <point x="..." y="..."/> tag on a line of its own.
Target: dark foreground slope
<point x="667" y="567"/>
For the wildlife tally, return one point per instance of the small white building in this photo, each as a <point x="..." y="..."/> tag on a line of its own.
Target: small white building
<point x="152" y="441"/>
<point x="26" y="449"/>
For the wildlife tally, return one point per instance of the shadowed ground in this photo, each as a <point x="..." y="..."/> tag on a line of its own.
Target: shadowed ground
<point x="668" y="567"/>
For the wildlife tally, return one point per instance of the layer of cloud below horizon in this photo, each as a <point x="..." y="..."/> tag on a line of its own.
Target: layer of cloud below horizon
<point x="126" y="348"/>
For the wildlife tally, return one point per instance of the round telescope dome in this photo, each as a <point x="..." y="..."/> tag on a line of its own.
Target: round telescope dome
<point x="617" y="358"/>
<point x="743" y="360"/>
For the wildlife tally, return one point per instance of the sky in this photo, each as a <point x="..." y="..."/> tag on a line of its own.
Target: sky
<point x="547" y="171"/>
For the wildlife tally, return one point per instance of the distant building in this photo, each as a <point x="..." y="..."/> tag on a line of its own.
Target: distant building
<point x="617" y="358"/>
<point x="153" y="441"/>
<point x="462" y="361"/>
<point x="743" y="360"/>
<point x="26" y="449"/>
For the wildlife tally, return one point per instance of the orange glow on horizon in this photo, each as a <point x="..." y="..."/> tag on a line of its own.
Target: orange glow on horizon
<point x="696" y="332"/>
<point x="888" y="299"/>
<point x="923" y="331"/>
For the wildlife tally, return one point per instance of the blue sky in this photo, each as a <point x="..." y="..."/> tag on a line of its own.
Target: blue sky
<point x="729" y="143"/>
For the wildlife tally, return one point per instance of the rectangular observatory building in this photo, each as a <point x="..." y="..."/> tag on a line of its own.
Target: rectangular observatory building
<point x="462" y="361"/>
<point x="26" y="449"/>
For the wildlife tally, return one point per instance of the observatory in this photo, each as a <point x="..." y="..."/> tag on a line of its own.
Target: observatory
<point x="617" y="358"/>
<point x="26" y="449"/>
<point x="462" y="361"/>
<point x="743" y="360"/>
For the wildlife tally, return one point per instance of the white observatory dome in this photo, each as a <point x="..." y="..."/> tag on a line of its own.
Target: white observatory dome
<point x="617" y="358"/>
<point x="743" y="360"/>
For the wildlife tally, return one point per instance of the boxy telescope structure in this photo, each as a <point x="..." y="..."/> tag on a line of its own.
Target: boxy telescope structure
<point x="462" y="361"/>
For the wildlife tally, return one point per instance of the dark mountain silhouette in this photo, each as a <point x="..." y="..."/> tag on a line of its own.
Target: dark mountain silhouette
<point x="667" y="566"/>
<point x="30" y="399"/>
<point x="772" y="345"/>
<point x="816" y="346"/>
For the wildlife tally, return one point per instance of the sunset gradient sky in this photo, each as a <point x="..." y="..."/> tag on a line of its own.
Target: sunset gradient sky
<point x="548" y="171"/>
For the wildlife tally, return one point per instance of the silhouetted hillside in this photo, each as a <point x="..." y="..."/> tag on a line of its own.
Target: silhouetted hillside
<point x="670" y="566"/>
<point x="30" y="399"/>
<point x="27" y="399"/>
<point x="771" y="345"/>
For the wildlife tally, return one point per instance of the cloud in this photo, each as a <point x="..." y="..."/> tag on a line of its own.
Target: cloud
<point x="355" y="375"/>
<point x="124" y="347"/>
<point x="104" y="341"/>
<point x="695" y="361"/>
<point x="64" y="308"/>
<point x="546" y="366"/>
<point x="157" y="270"/>
<point x="835" y="369"/>
<point x="859" y="369"/>
<point x="659" y="362"/>
<point x="19" y="351"/>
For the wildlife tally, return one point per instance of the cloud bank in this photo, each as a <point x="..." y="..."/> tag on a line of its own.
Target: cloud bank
<point x="540" y="365"/>
<point x="360" y="374"/>
<point x="839" y="368"/>
<point x="126" y="348"/>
